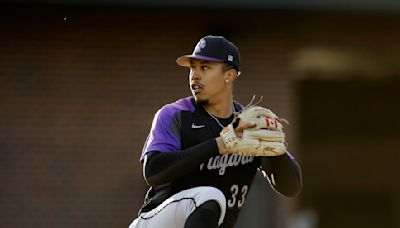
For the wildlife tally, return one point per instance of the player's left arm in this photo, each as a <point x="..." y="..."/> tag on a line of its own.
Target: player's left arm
<point x="283" y="173"/>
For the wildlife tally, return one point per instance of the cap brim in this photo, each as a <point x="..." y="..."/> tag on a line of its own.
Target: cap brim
<point x="185" y="59"/>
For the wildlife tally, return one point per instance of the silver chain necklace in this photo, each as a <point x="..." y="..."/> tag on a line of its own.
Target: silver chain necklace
<point x="216" y="119"/>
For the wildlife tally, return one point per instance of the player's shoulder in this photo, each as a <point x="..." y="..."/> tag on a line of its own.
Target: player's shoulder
<point x="183" y="104"/>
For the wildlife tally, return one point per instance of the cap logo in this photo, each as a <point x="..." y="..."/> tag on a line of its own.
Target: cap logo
<point x="230" y="58"/>
<point x="200" y="45"/>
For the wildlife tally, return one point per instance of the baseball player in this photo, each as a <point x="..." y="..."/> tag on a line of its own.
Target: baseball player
<point x="203" y="151"/>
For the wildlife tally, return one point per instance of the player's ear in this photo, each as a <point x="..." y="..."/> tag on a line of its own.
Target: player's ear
<point x="231" y="75"/>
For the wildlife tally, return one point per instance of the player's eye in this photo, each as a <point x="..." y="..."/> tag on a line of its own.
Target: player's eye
<point x="205" y="67"/>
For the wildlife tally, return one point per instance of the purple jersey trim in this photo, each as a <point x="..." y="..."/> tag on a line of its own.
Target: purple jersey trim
<point x="164" y="134"/>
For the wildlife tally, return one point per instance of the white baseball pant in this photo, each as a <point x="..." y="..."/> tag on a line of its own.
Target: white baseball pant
<point x="174" y="211"/>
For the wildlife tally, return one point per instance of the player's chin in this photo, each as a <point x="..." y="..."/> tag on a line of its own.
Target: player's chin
<point x="200" y="99"/>
<point x="196" y="95"/>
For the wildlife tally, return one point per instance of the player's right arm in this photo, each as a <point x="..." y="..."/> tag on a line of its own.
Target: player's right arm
<point x="163" y="167"/>
<point x="163" y="158"/>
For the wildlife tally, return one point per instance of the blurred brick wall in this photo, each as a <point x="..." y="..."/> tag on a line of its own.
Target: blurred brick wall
<point x="79" y="88"/>
<point x="350" y="148"/>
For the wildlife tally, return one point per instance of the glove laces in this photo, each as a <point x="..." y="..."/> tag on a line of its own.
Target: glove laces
<point x="251" y="104"/>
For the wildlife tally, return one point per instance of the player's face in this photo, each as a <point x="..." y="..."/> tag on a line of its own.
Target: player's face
<point x="207" y="80"/>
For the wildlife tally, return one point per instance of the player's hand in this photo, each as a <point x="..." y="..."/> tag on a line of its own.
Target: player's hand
<point x="243" y="124"/>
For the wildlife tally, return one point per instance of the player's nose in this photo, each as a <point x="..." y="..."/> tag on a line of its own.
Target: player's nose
<point x="194" y="75"/>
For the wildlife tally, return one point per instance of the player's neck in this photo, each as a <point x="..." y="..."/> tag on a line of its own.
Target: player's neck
<point x="222" y="108"/>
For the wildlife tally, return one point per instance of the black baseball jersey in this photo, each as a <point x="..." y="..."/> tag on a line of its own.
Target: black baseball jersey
<point x="184" y="124"/>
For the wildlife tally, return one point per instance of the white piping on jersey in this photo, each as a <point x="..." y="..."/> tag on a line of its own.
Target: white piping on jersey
<point x="144" y="169"/>
<point x="272" y="179"/>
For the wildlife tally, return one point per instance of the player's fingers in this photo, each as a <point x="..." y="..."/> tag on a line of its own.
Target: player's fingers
<point x="244" y="124"/>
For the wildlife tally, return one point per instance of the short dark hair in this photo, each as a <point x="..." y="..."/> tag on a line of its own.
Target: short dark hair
<point x="227" y="67"/>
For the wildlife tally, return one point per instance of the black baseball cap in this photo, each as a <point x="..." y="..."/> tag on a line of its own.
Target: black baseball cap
<point x="213" y="48"/>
